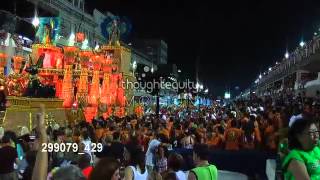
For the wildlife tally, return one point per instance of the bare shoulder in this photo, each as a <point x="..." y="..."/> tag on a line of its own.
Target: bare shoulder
<point x="192" y="176"/>
<point x="298" y="170"/>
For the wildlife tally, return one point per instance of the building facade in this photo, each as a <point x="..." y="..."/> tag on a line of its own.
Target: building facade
<point x="73" y="19"/>
<point x="155" y="48"/>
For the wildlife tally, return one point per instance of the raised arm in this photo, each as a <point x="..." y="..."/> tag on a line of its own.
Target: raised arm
<point x="40" y="169"/>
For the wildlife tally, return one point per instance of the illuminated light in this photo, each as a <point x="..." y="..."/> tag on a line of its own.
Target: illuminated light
<point x="260" y="76"/>
<point x="74" y="104"/>
<point x="302" y="44"/>
<point x="97" y="47"/>
<point x="179" y="71"/>
<point x="152" y="70"/>
<point x="197" y="86"/>
<point x="315" y="33"/>
<point x="35" y="21"/>
<point x="134" y="65"/>
<point x="71" y="39"/>
<point x="201" y="86"/>
<point x="25" y="38"/>
<point x="277" y="63"/>
<point x="270" y="69"/>
<point x="286" y="55"/>
<point x="85" y="44"/>
<point x="146" y="69"/>
<point x="227" y="95"/>
<point x="206" y="91"/>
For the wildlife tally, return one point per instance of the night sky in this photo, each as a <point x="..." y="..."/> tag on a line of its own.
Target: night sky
<point x="233" y="40"/>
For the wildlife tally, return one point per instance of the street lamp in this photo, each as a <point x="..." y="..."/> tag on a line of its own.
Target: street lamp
<point x="286" y="55"/>
<point x="302" y="44"/>
<point x="260" y="76"/>
<point x="270" y="69"/>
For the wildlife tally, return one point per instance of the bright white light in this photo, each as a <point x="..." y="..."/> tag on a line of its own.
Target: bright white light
<point x="71" y="39"/>
<point x="227" y="95"/>
<point x="85" y="44"/>
<point x="286" y="55"/>
<point x="302" y="44"/>
<point x="130" y="44"/>
<point x="277" y="63"/>
<point x="260" y="76"/>
<point x="97" y="47"/>
<point x="315" y="33"/>
<point x="35" y="21"/>
<point x="206" y="91"/>
<point x="201" y="86"/>
<point x="270" y="69"/>
<point x="197" y="86"/>
<point x="134" y="65"/>
<point x="179" y="71"/>
<point x="152" y="70"/>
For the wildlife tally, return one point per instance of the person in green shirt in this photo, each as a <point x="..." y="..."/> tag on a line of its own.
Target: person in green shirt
<point x="303" y="160"/>
<point x="203" y="170"/>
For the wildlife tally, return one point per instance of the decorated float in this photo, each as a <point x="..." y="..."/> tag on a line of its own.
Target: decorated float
<point x="73" y="83"/>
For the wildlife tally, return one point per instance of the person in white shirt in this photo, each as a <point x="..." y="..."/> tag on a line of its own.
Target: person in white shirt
<point x="150" y="154"/>
<point x="137" y="166"/>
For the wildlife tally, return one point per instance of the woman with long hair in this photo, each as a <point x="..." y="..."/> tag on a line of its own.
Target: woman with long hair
<point x="106" y="168"/>
<point x="137" y="165"/>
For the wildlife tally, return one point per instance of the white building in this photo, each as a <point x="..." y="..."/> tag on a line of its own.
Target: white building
<point x="73" y="19"/>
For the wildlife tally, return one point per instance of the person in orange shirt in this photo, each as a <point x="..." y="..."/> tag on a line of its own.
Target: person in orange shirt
<point x="271" y="137"/>
<point x="218" y="138"/>
<point x="233" y="137"/>
<point x="164" y="131"/>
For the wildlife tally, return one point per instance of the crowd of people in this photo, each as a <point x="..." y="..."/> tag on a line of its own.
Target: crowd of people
<point x="135" y="148"/>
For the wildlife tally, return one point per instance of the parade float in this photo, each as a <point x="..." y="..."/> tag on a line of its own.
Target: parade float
<point x="72" y="82"/>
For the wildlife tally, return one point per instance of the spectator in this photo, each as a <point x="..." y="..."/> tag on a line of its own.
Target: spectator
<point x="8" y="156"/>
<point x="161" y="160"/>
<point x="175" y="163"/>
<point x="106" y="168"/>
<point x="150" y="155"/>
<point x="203" y="169"/>
<point x="233" y="137"/>
<point x="137" y="167"/>
<point x="303" y="160"/>
<point x="68" y="173"/>
<point x="85" y="165"/>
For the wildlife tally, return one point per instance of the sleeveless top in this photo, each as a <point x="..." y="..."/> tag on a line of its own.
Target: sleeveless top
<point x="206" y="173"/>
<point x="181" y="175"/>
<point x="311" y="160"/>
<point x="190" y="143"/>
<point x="137" y="174"/>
